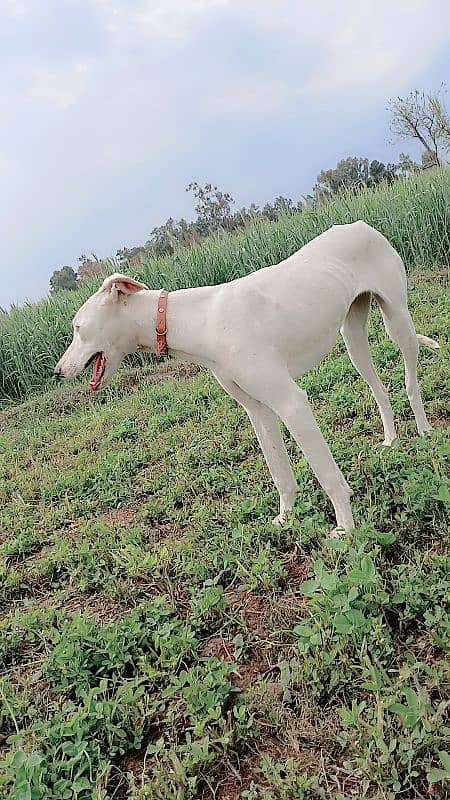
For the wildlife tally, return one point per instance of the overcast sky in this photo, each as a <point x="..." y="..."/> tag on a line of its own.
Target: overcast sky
<point x="108" y="108"/>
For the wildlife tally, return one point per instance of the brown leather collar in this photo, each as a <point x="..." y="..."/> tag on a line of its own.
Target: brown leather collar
<point x="161" y="324"/>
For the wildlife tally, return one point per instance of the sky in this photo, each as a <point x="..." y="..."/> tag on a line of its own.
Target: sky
<point x="109" y="108"/>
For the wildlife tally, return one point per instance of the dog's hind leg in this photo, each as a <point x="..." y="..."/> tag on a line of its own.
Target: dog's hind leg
<point x="400" y="329"/>
<point x="354" y="333"/>
<point x="268" y="433"/>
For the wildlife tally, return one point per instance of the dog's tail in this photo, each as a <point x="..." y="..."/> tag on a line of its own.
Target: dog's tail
<point x="427" y="342"/>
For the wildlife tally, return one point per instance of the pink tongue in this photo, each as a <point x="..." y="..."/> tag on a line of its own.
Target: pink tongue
<point x="97" y="372"/>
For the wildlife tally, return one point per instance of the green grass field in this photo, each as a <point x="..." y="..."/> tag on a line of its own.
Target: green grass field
<point x="413" y="213"/>
<point x="161" y="640"/>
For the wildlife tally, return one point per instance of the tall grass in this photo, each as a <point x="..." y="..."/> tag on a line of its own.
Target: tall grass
<point x="414" y="214"/>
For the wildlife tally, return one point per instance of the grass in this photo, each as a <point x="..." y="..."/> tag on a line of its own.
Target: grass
<point x="161" y="640"/>
<point x="413" y="213"/>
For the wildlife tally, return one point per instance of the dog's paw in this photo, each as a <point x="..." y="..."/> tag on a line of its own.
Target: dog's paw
<point x="425" y="429"/>
<point x="337" y="533"/>
<point x="387" y="441"/>
<point x="279" y="520"/>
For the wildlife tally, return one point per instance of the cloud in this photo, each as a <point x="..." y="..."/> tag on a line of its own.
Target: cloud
<point x="322" y="49"/>
<point x="354" y="48"/>
<point x="171" y="20"/>
<point x="57" y="89"/>
<point x="355" y="45"/>
<point x="379" y="48"/>
<point x="109" y="106"/>
<point x="16" y="8"/>
<point x="252" y="96"/>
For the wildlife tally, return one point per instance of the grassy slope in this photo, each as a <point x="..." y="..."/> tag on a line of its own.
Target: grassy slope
<point x="413" y="213"/>
<point x="279" y="664"/>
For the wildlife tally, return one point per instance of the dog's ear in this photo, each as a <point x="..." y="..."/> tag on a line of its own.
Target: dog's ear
<point x="121" y="284"/>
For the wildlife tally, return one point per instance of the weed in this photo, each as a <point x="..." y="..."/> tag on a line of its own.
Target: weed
<point x="154" y="617"/>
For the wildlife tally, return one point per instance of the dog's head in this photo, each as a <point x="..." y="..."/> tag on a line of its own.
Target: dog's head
<point x="102" y="333"/>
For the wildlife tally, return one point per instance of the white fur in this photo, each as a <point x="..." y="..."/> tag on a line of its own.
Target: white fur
<point x="258" y="333"/>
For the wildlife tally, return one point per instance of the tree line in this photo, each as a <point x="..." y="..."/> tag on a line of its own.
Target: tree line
<point x="419" y="116"/>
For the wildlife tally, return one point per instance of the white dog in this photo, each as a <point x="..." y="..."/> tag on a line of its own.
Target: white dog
<point x="258" y="333"/>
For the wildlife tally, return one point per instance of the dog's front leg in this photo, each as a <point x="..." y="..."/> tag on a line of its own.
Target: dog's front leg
<point x="267" y="429"/>
<point x="290" y="403"/>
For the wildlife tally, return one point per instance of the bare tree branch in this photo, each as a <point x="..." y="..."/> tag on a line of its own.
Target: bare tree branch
<point x="422" y="116"/>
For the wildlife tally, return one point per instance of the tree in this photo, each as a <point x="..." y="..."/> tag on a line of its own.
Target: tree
<point x="213" y="208"/>
<point x="279" y="207"/>
<point x="64" y="278"/>
<point x="428" y="160"/>
<point x="245" y="216"/>
<point x="422" y="116"/>
<point x="406" y="166"/>
<point x="132" y="255"/>
<point x="91" y="267"/>
<point x="166" y="238"/>
<point x="353" y="172"/>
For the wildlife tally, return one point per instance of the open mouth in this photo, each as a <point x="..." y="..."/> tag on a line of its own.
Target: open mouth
<point x="98" y="371"/>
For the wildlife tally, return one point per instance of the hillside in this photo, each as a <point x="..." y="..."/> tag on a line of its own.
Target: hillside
<point x="413" y="213"/>
<point x="160" y="640"/>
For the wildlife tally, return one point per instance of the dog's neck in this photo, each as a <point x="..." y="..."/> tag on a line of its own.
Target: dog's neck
<point x="186" y="312"/>
<point x="142" y="312"/>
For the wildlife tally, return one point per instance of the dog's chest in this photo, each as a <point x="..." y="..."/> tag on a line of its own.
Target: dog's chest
<point x="310" y="353"/>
